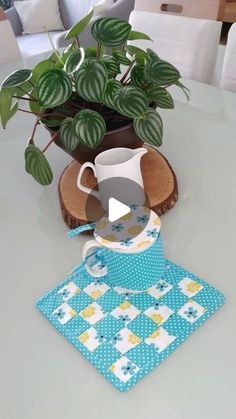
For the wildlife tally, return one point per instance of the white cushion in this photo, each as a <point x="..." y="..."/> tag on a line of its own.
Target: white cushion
<point x="9" y="50"/>
<point x="34" y="44"/>
<point x="101" y="6"/>
<point x="188" y="43"/>
<point x="39" y="15"/>
<point x="228" y="80"/>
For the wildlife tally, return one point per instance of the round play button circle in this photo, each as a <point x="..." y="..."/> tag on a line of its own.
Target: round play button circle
<point x="126" y="212"/>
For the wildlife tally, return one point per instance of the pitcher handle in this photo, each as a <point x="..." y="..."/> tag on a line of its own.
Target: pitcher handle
<point x="85" y="188"/>
<point x="81" y="229"/>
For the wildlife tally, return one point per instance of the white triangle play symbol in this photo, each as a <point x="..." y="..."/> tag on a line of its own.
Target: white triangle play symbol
<point x="116" y="209"/>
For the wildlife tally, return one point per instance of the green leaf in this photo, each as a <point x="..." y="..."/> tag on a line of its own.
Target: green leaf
<point x="137" y="75"/>
<point x="138" y="35"/>
<point x="17" y="78"/>
<point x="37" y="165"/>
<point x="90" y="127"/>
<point x="137" y="53"/>
<point x="91" y="79"/>
<point x="186" y="91"/>
<point x="7" y="111"/>
<point x="161" y="97"/>
<point x="161" y="72"/>
<point x="68" y="50"/>
<point x="131" y="101"/>
<point x="149" y="127"/>
<point x="92" y="51"/>
<point x="112" y="66"/>
<point x="68" y="135"/>
<point x="111" y="88"/>
<point x="120" y="56"/>
<point x="51" y="123"/>
<point x="152" y="54"/>
<point x="40" y="68"/>
<point x="55" y="58"/>
<point x="34" y="106"/>
<point x="74" y="61"/>
<point x="110" y="31"/>
<point x="53" y="88"/>
<point x="79" y="27"/>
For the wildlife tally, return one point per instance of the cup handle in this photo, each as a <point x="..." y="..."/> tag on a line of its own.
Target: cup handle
<point x="89" y="248"/>
<point x="85" y="188"/>
<point x="89" y="245"/>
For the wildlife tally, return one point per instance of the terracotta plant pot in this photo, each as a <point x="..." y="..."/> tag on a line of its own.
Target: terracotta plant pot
<point x="121" y="137"/>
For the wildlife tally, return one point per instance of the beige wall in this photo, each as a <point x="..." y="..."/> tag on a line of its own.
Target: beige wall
<point x="207" y="9"/>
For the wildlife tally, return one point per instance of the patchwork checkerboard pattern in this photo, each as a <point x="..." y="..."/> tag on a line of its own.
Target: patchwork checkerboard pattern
<point x="127" y="336"/>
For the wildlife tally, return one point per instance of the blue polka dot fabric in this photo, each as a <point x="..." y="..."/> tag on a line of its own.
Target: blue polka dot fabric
<point x="125" y="336"/>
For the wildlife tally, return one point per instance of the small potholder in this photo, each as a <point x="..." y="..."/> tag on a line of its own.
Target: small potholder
<point x="125" y="336"/>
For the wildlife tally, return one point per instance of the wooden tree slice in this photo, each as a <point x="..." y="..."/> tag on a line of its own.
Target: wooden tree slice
<point x="159" y="182"/>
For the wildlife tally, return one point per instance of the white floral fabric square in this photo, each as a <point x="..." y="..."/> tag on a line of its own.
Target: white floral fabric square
<point x="160" y="289"/>
<point x="160" y="339"/>
<point x="93" y="313"/>
<point x="191" y="311"/>
<point x="124" y="369"/>
<point x="160" y="314"/>
<point x="96" y="290"/>
<point x="189" y="287"/>
<point x="126" y="312"/>
<point x="64" y="313"/>
<point x="69" y="291"/>
<point x="91" y="339"/>
<point x="125" y="340"/>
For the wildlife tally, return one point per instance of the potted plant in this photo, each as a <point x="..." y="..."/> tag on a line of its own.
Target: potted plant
<point x="85" y="102"/>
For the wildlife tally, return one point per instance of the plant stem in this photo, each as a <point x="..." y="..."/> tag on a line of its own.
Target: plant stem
<point x="26" y="93"/>
<point x="34" y="130"/>
<point x="77" y="41"/>
<point x="127" y="72"/>
<point x="25" y="98"/>
<point x="51" y="141"/>
<point x="23" y="110"/>
<point x="32" y="84"/>
<point x="54" y="49"/>
<point x="99" y="50"/>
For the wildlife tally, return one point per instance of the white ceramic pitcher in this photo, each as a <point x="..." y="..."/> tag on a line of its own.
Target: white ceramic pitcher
<point x="118" y="173"/>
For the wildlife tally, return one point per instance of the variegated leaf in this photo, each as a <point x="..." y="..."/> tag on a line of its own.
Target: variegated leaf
<point x="37" y="165"/>
<point x="120" y="56"/>
<point x="137" y="53"/>
<point x="90" y="127"/>
<point x="68" y="135"/>
<point x="110" y="31"/>
<point x="137" y="75"/>
<point x="53" y="88"/>
<point x="161" y="72"/>
<point x="149" y="127"/>
<point x="74" y="61"/>
<point x="161" y="97"/>
<point x="111" y="88"/>
<point x="17" y="78"/>
<point x="112" y="65"/>
<point x="91" y="79"/>
<point x="131" y="101"/>
<point x="152" y="54"/>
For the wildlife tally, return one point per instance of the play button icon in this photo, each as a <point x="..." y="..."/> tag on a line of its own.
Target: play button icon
<point x="116" y="209"/>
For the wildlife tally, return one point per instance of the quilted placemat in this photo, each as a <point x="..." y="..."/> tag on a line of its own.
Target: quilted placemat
<point x="125" y="336"/>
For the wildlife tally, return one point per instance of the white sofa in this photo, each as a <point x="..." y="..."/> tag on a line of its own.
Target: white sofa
<point x="71" y="12"/>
